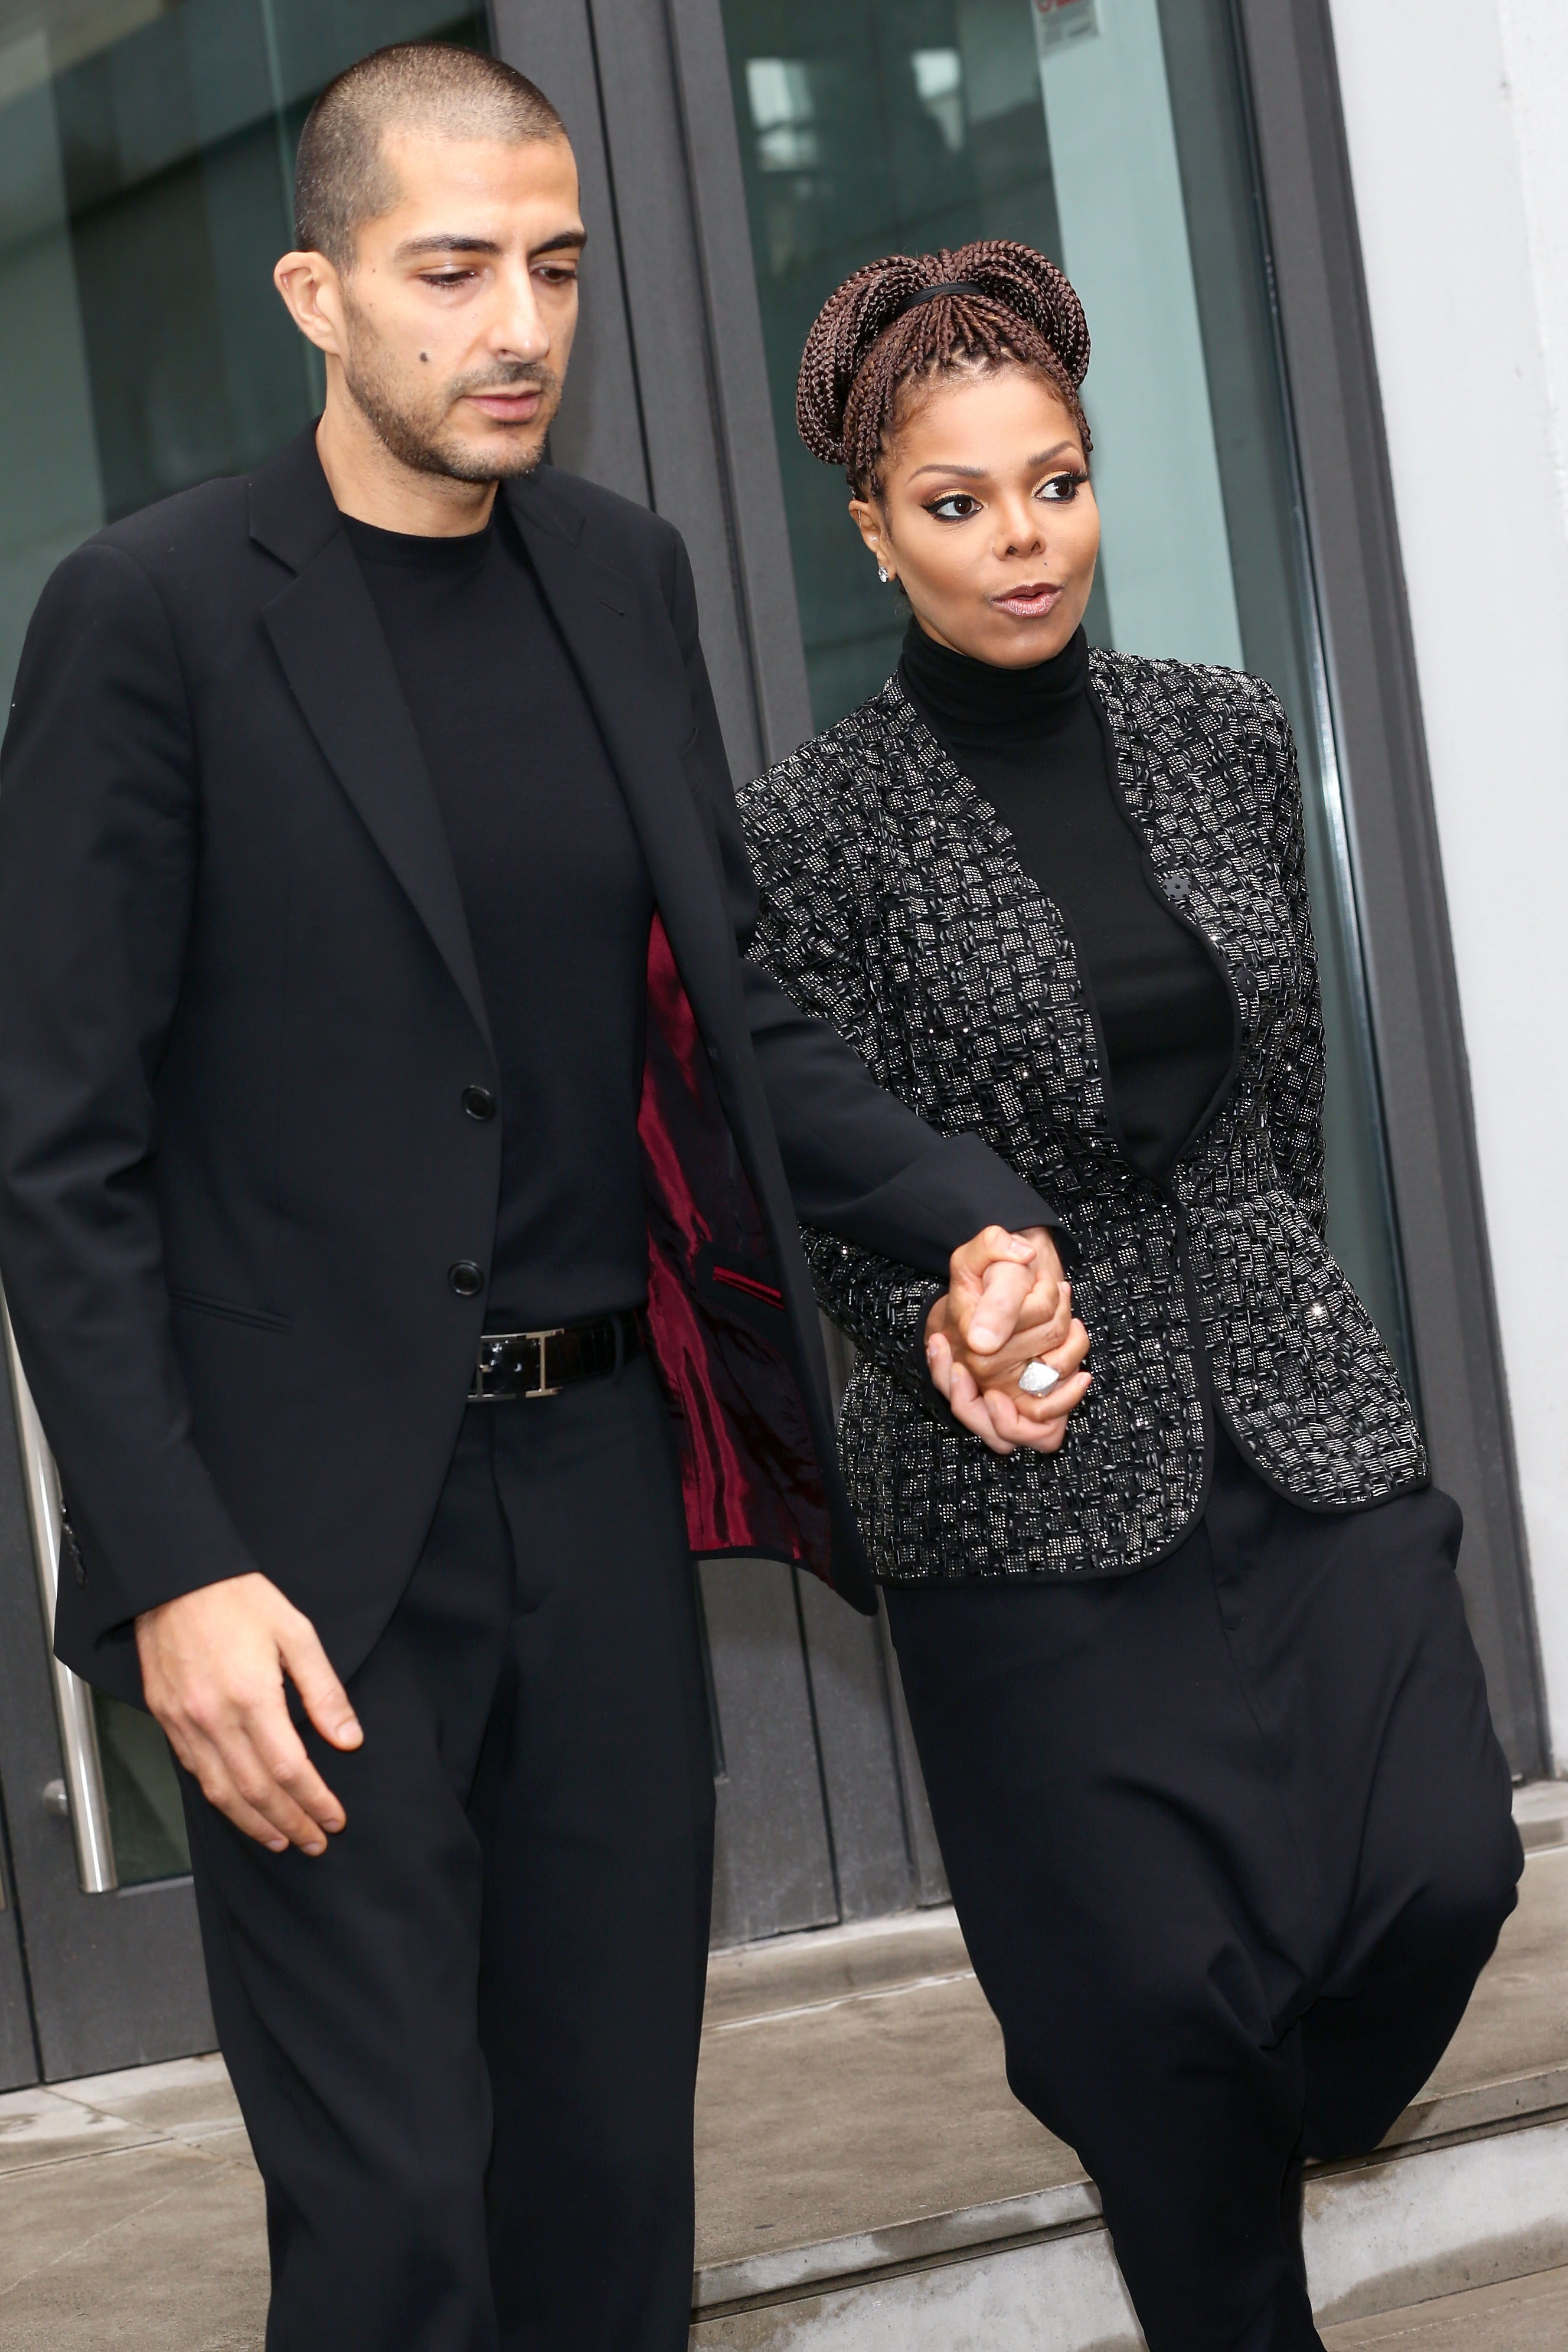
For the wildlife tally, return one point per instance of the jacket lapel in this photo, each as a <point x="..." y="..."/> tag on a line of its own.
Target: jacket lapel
<point x="636" y="689"/>
<point x="337" y="661"/>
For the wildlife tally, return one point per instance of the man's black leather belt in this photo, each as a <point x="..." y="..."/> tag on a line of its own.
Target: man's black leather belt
<point x="516" y="1364"/>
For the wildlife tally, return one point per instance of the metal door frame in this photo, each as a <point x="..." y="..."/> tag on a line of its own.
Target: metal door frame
<point x="645" y="87"/>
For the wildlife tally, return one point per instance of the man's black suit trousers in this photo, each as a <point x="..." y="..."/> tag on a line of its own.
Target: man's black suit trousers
<point x="464" y="2040"/>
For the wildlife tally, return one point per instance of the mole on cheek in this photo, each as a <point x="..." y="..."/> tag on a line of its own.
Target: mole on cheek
<point x="425" y="355"/>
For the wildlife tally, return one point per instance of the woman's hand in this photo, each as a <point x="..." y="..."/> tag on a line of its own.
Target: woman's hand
<point x="1005" y="1307"/>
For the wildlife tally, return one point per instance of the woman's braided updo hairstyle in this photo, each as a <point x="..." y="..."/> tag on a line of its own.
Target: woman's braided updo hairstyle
<point x="864" y="347"/>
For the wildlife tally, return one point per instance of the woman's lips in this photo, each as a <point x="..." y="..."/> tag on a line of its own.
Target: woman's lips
<point x="1029" y="602"/>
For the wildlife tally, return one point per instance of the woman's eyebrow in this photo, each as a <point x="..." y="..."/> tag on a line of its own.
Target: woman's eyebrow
<point x="981" y="473"/>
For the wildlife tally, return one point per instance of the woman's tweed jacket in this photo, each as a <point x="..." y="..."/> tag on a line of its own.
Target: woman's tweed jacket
<point x="892" y="902"/>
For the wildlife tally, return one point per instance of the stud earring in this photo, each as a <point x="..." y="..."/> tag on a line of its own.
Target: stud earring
<point x="882" y="573"/>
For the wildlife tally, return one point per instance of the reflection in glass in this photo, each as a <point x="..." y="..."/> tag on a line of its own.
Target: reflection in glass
<point x="146" y="159"/>
<point x="146" y="1818"/>
<point x="1112" y="136"/>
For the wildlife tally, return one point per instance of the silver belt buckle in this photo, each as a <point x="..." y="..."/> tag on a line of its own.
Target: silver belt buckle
<point x="543" y="1389"/>
<point x="480" y="1394"/>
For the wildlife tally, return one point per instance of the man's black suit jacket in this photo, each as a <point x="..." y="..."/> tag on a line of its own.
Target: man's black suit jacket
<point x="238" y="1012"/>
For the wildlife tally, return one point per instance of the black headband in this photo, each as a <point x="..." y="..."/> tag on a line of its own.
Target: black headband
<point x="930" y="293"/>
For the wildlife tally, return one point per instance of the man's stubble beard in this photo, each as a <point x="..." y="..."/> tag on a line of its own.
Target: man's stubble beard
<point x="414" y="434"/>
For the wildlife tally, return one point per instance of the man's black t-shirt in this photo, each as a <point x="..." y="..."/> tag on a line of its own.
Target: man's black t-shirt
<point x="558" y="902"/>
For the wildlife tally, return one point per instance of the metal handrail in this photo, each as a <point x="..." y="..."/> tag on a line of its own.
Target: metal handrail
<point x="85" y="1798"/>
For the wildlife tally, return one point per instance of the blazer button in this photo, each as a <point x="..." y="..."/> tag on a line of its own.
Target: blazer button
<point x="478" y="1102"/>
<point x="467" y="1279"/>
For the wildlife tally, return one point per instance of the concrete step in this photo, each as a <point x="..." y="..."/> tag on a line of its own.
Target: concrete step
<point x="1528" y="2315"/>
<point x="867" y="2183"/>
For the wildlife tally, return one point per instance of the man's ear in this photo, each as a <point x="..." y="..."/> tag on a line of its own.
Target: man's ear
<point x="312" y="294"/>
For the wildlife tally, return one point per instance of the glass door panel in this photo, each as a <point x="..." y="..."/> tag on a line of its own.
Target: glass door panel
<point x="146" y="171"/>
<point x="1112" y="134"/>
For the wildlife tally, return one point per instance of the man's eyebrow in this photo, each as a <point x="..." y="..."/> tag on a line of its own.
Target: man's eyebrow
<point x="460" y="241"/>
<point x="981" y="473"/>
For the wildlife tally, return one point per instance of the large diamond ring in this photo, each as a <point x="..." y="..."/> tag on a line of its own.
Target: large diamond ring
<point x="1037" y="1379"/>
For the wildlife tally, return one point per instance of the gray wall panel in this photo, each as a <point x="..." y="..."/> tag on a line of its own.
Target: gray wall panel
<point x="765" y="571"/>
<point x="855" y="1740"/>
<point x="773" y="1869"/>
<point x="18" y="2052"/>
<point x="1377" y="720"/>
<point x="930" y="1873"/>
<point x="666" y="306"/>
<point x="599" y="433"/>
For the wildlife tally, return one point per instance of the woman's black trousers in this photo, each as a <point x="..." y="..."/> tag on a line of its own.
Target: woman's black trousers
<point x="1230" y="1840"/>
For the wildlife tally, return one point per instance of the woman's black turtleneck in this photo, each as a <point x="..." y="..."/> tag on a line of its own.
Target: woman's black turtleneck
<point x="1036" y="746"/>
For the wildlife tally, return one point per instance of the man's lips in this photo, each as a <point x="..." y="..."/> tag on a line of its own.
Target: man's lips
<point x="1035" y="598"/>
<point x="507" y="408"/>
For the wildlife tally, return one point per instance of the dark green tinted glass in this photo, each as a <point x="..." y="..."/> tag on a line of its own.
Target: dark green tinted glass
<point x="146" y="1818"/>
<point x="146" y="164"/>
<point x="1111" y="135"/>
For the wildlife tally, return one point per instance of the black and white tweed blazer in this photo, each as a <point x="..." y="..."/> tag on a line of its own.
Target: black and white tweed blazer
<point x="893" y="903"/>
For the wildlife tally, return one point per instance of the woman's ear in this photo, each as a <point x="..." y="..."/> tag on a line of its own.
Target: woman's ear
<point x="868" y="521"/>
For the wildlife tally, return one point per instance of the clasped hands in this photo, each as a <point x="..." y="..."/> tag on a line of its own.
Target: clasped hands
<point x="215" y="1663"/>
<point x="1008" y="1304"/>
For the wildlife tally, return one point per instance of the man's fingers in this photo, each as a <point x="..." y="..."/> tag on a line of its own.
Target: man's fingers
<point x="302" y="1786"/>
<point x="234" y="1777"/>
<point x="993" y="1317"/>
<point x="249" y="1755"/>
<point x="213" y="1666"/>
<point x="206" y="1765"/>
<point x="254" y="1776"/>
<point x="292" y="1772"/>
<point x="968" y="1264"/>
<point x="325" y="1700"/>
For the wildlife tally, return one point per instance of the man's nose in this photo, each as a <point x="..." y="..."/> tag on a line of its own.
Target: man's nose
<point x="517" y="329"/>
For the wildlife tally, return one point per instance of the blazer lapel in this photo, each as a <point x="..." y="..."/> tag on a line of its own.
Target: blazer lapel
<point x="337" y="663"/>
<point x="636" y="688"/>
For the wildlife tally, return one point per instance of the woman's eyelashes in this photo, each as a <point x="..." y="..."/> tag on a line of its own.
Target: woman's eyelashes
<point x="960" y="506"/>
<point x="947" y="509"/>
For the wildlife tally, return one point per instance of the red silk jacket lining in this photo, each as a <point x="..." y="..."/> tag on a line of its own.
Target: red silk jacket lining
<point x="749" y="1472"/>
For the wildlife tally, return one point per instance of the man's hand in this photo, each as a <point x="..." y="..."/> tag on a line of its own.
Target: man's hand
<point x="1008" y="1305"/>
<point x="212" y="1663"/>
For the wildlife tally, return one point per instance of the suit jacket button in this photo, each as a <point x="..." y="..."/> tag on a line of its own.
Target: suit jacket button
<point x="478" y="1102"/>
<point x="467" y="1279"/>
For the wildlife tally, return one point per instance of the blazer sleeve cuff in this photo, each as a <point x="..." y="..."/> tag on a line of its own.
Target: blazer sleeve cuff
<point x="943" y="1200"/>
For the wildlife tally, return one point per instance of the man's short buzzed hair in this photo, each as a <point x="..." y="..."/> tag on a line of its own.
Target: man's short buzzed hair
<point x="342" y="178"/>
